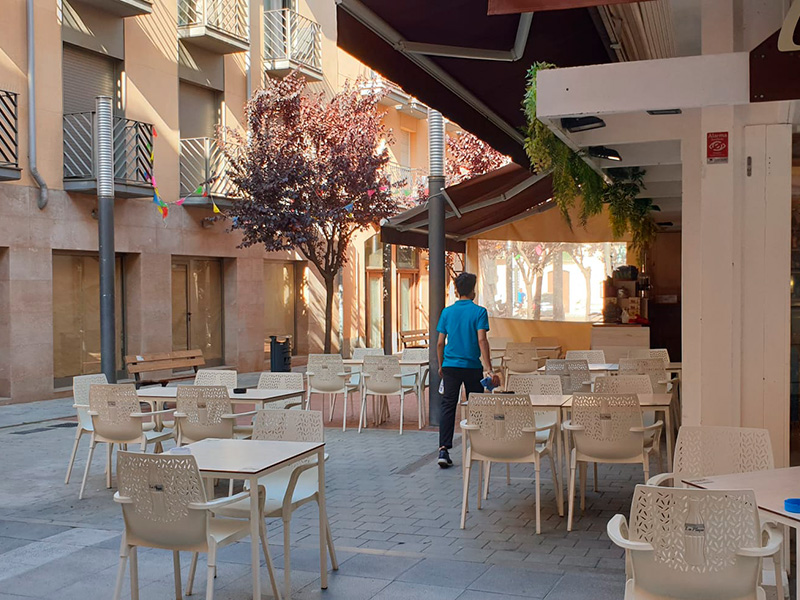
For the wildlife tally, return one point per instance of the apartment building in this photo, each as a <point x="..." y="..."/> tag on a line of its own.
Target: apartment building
<point x="177" y="69"/>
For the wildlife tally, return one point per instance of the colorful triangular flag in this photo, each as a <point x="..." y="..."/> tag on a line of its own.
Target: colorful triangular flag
<point x="370" y="193"/>
<point x="216" y="208"/>
<point x="181" y="201"/>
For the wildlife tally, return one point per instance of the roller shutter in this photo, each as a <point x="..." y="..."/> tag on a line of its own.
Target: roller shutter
<point x="198" y="108"/>
<point x="86" y="75"/>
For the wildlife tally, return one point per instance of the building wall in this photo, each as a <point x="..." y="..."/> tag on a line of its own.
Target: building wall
<point x="154" y="63"/>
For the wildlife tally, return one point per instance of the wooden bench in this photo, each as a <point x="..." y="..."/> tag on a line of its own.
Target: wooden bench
<point x="415" y="338"/>
<point x="164" y="361"/>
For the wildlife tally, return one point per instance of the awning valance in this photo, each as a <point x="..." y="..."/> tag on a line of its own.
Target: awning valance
<point x="479" y="204"/>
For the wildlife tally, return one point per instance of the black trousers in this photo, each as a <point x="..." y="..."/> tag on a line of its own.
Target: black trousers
<point x="454" y="378"/>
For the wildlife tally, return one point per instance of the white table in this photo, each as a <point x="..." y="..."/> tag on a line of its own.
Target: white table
<point x="597" y="367"/>
<point x="250" y="460"/>
<point x="159" y="395"/>
<point x="648" y="402"/>
<point x="771" y="487"/>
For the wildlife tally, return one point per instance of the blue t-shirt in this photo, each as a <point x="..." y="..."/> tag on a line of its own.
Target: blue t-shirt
<point x="460" y="322"/>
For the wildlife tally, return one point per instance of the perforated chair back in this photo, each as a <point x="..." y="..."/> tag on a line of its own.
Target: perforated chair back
<point x="205" y="409"/>
<point x="114" y="404"/>
<point x="379" y="375"/>
<point x="223" y="377"/>
<point x="324" y="373"/>
<point x="595" y="357"/>
<point x="80" y="394"/>
<point x="623" y="384"/>
<point x="607" y="420"/>
<point x="505" y="426"/>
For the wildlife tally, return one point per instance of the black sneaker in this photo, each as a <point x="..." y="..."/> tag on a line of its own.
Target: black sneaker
<point x="444" y="459"/>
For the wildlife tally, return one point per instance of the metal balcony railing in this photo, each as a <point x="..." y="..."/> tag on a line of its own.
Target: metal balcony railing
<point x="9" y="135"/>
<point x="406" y="178"/>
<point x="289" y="36"/>
<point x="133" y="142"/>
<point x="228" y="17"/>
<point x="203" y="164"/>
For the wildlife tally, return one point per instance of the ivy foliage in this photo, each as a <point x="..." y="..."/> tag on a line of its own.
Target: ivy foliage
<point x="575" y="181"/>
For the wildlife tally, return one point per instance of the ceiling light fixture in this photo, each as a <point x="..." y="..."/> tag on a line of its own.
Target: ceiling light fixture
<point x="578" y="124"/>
<point x="665" y="111"/>
<point x="665" y="224"/>
<point x="604" y="152"/>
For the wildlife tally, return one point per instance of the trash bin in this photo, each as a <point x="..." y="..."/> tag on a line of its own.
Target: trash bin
<point x="280" y="354"/>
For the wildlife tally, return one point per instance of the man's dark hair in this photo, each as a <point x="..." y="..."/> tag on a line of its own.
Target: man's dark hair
<point x="465" y="283"/>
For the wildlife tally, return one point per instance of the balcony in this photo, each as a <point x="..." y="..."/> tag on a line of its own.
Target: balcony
<point x="9" y="137"/>
<point x="203" y="165"/>
<point x="406" y="182"/>
<point x="220" y="26"/>
<point x="393" y="96"/>
<point x="123" y="8"/>
<point x="291" y="41"/>
<point x="133" y="142"/>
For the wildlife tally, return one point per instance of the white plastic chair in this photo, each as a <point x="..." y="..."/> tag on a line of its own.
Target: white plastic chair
<point x="206" y="412"/>
<point x="579" y="377"/>
<point x="632" y="384"/>
<point x="164" y="505"/>
<point x="687" y="544"/>
<point x="80" y="395"/>
<point x="661" y="353"/>
<point x="523" y="360"/>
<point x="291" y="487"/>
<point x="223" y="377"/>
<point x="502" y="428"/>
<point x="416" y="377"/>
<point x="117" y="419"/>
<point x="594" y="357"/>
<point x="283" y="381"/>
<point x="382" y="378"/>
<point x="654" y="368"/>
<point x="327" y="376"/>
<point x="705" y="451"/>
<point x="606" y="428"/>
<point x="537" y="385"/>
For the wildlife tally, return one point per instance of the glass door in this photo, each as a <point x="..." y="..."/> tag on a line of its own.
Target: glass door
<point x="374" y="309"/>
<point x="279" y="302"/>
<point x="197" y="307"/>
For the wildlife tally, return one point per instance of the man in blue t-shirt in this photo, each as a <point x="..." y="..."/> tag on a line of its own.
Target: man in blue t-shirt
<point x="463" y="359"/>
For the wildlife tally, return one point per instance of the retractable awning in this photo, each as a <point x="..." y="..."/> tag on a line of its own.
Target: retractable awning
<point x="464" y="63"/>
<point x="479" y="204"/>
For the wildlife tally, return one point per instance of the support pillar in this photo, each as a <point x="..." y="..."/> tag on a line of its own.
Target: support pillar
<point x="104" y="161"/>
<point x="436" y="245"/>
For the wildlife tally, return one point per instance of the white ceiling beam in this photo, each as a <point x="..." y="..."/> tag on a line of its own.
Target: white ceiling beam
<point x="686" y="82"/>
<point x="635" y="127"/>
<point x="658" y="173"/>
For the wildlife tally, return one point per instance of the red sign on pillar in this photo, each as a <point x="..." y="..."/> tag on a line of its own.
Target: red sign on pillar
<point x="717" y="147"/>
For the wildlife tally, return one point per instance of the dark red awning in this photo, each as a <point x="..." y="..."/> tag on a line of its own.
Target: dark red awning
<point x="483" y="203"/>
<point x="506" y="7"/>
<point x="466" y="90"/>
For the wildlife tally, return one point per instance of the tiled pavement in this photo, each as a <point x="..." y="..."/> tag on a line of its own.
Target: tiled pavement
<point x="393" y="512"/>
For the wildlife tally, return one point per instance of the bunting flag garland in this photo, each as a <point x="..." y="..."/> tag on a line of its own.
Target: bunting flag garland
<point x="180" y="202"/>
<point x="216" y="208"/>
<point x="370" y="193"/>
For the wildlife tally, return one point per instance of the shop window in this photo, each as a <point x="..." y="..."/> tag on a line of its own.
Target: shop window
<point x="547" y="281"/>
<point x="197" y="307"/>
<point x="279" y="301"/>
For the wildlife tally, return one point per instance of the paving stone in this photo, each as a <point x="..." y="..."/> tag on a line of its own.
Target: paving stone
<point x="447" y="573"/>
<point x="520" y="582"/>
<point x="400" y="590"/>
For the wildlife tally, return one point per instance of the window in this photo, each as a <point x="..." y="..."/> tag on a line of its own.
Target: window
<point x="279" y="302"/>
<point x="547" y="281"/>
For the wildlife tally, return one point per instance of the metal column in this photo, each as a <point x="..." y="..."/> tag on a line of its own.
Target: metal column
<point x="388" y="342"/>
<point x="104" y="163"/>
<point x="436" y="246"/>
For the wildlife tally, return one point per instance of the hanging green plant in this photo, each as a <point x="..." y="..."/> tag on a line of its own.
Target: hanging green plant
<point x="574" y="179"/>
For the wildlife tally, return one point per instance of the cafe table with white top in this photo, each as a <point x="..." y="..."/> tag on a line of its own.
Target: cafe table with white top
<point x="772" y="487"/>
<point x="250" y="460"/>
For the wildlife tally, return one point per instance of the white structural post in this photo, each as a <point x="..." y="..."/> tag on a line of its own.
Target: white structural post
<point x="104" y="165"/>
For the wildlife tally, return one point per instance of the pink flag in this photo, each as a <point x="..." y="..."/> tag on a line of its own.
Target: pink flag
<point x="181" y="201"/>
<point x="370" y="193"/>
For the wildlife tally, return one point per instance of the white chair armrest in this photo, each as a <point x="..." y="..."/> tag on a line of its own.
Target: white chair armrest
<point x="218" y="503"/>
<point x="154" y="412"/>
<point x="654" y="427"/>
<point x="344" y="374"/>
<point x="661" y="478"/>
<point x="86" y="406"/>
<point x="468" y="427"/>
<point x="180" y="415"/>
<point x="122" y="499"/>
<point x="309" y="374"/>
<point x="249" y="413"/>
<point x="773" y="545"/>
<point x="539" y="429"/>
<point x="617" y="530"/>
<point x="568" y="426"/>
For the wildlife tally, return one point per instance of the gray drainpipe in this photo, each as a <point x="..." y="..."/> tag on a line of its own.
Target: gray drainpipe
<point x="41" y="202"/>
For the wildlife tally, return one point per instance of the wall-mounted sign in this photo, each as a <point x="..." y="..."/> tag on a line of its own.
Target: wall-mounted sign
<point x="717" y="147"/>
<point x="787" y="38"/>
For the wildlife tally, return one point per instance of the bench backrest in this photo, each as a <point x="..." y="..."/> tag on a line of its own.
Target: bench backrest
<point x="180" y="359"/>
<point x="414" y="338"/>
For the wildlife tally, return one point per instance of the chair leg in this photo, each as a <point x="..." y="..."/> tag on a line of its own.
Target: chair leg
<point x="646" y="467"/>
<point x="270" y="569"/>
<point x="362" y="421"/>
<point x="134" y="557"/>
<point x="123" y="560"/>
<point x="176" y="566"/>
<point x="538" y="503"/>
<point x="230" y="487"/>
<point x="486" y="476"/>
<point x="480" y="479"/>
<point x="78" y="435"/>
<point x="571" y="493"/>
<point x="331" y="405"/>
<point x="211" y="571"/>
<point x="583" y="468"/>
<point x="557" y="486"/>
<point x="508" y="473"/>
<point x="86" y="470"/>
<point x="287" y="563"/>
<point x="594" y="480"/>
<point x="192" y="571"/>
<point x="108" y="465"/>
<point x="465" y="495"/>
<point x="344" y="411"/>
<point x="402" y="402"/>
<point x="331" y="549"/>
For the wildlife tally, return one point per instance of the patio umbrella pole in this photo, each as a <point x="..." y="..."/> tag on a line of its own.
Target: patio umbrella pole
<point x="104" y="160"/>
<point x="436" y="246"/>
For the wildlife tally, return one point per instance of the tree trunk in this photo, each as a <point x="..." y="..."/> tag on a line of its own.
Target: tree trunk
<point x="558" y="286"/>
<point x="537" y="296"/>
<point x="329" y="293"/>
<point x="587" y="275"/>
